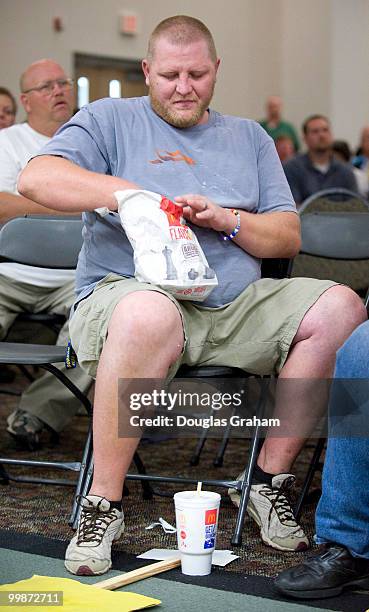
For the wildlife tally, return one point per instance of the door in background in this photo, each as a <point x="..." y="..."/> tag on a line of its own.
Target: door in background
<point x="97" y="77"/>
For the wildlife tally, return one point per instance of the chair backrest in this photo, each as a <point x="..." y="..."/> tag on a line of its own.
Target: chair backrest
<point x="334" y="200"/>
<point x="45" y="242"/>
<point x="335" y="244"/>
<point x="336" y="235"/>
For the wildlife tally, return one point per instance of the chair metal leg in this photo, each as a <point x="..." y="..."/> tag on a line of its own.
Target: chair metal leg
<point x="245" y="491"/>
<point x="84" y="467"/>
<point x="147" y="491"/>
<point x="70" y="385"/>
<point x="253" y="454"/>
<point x="313" y="467"/>
<point x="26" y="373"/>
<point x="218" y="461"/>
<point x="195" y="459"/>
<point x="76" y="511"/>
<point x="83" y="472"/>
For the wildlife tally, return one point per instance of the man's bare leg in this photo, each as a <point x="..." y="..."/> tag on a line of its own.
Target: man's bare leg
<point x="325" y="327"/>
<point x="145" y="337"/>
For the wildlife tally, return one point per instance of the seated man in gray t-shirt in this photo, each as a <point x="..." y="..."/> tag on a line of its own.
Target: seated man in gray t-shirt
<point x="226" y="174"/>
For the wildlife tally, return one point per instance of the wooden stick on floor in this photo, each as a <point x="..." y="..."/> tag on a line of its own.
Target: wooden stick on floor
<point x="138" y="574"/>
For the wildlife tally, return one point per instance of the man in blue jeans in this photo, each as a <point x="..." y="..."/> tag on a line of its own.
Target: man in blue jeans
<point x="342" y="517"/>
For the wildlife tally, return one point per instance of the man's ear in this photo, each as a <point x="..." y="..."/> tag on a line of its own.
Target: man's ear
<point x="146" y="71"/>
<point x="217" y="66"/>
<point x="25" y="103"/>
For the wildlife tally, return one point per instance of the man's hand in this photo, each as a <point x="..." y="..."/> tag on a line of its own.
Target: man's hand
<point x="201" y="211"/>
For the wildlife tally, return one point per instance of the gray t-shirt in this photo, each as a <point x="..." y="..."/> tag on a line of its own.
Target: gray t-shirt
<point x="230" y="160"/>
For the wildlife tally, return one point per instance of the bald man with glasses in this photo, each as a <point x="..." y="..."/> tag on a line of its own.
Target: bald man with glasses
<point x="47" y="98"/>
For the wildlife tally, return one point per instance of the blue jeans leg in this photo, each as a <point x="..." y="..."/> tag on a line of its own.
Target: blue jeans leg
<point x="343" y="511"/>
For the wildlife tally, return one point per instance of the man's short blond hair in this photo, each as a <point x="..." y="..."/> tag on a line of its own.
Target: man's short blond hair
<point x="181" y="30"/>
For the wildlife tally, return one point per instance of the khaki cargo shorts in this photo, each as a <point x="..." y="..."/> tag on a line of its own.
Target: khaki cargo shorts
<point x="253" y="333"/>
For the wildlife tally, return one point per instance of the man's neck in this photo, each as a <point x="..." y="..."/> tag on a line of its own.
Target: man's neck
<point x="320" y="157"/>
<point x="43" y="127"/>
<point x="273" y="123"/>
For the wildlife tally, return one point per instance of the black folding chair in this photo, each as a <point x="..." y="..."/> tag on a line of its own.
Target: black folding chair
<point x="50" y="242"/>
<point x="334" y="230"/>
<point x="21" y="241"/>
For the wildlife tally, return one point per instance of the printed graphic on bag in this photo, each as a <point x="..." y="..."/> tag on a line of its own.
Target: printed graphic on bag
<point x="166" y="251"/>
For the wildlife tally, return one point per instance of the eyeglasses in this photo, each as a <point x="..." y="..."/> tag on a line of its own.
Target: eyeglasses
<point x="46" y="89"/>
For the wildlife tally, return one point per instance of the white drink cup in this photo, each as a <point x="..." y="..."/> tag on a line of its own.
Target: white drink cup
<point x="197" y="521"/>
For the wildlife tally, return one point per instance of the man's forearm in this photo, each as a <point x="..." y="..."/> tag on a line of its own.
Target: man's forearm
<point x="63" y="186"/>
<point x="275" y="234"/>
<point x="269" y="234"/>
<point x="12" y="205"/>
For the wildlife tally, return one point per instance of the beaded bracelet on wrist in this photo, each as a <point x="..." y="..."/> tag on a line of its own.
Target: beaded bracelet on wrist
<point x="236" y="229"/>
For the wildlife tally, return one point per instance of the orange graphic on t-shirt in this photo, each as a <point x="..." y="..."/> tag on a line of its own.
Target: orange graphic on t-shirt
<point x="174" y="156"/>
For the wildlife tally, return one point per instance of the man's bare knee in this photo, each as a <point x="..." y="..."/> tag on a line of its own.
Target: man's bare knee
<point x="338" y="311"/>
<point x="147" y="318"/>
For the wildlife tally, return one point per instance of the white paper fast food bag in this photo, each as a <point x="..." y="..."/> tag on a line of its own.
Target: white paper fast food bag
<point x="166" y="251"/>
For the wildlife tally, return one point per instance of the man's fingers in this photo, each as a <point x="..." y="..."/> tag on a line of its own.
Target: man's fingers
<point x="198" y="204"/>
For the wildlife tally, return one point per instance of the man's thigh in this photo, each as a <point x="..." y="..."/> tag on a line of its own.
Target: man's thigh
<point x="255" y="332"/>
<point x="89" y="323"/>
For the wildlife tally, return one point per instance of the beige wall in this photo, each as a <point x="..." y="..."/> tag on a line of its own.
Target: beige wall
<point x="314" y="53"/>
<point x="306" y="62"/>
<point x="349" y="107"/>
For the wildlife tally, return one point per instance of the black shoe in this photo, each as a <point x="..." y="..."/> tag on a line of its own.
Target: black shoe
<point x="324" y="575"/>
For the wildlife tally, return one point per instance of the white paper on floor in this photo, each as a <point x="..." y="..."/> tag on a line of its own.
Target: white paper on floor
<point x="220" y="557"/>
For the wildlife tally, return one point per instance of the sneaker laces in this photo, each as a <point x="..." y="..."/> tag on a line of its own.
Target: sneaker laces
<point x="280" y="502"/>
<point x="93" y="522"/>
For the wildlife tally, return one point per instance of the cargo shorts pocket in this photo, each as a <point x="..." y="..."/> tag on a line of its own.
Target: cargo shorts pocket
<point x="87" y="332"/>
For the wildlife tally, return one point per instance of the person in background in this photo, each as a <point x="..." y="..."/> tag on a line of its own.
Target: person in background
<point x="342" y="516"/>
<point x="8" y="111"/>
<point x="342" y="153"/>
<point x="225" y="173"/>
<point x="317" y="169"/>
<point x="47" y="98"/>
<point x="285" y="147"/>
<point x="275" y="126"/>
<point x="8" y="108"/>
